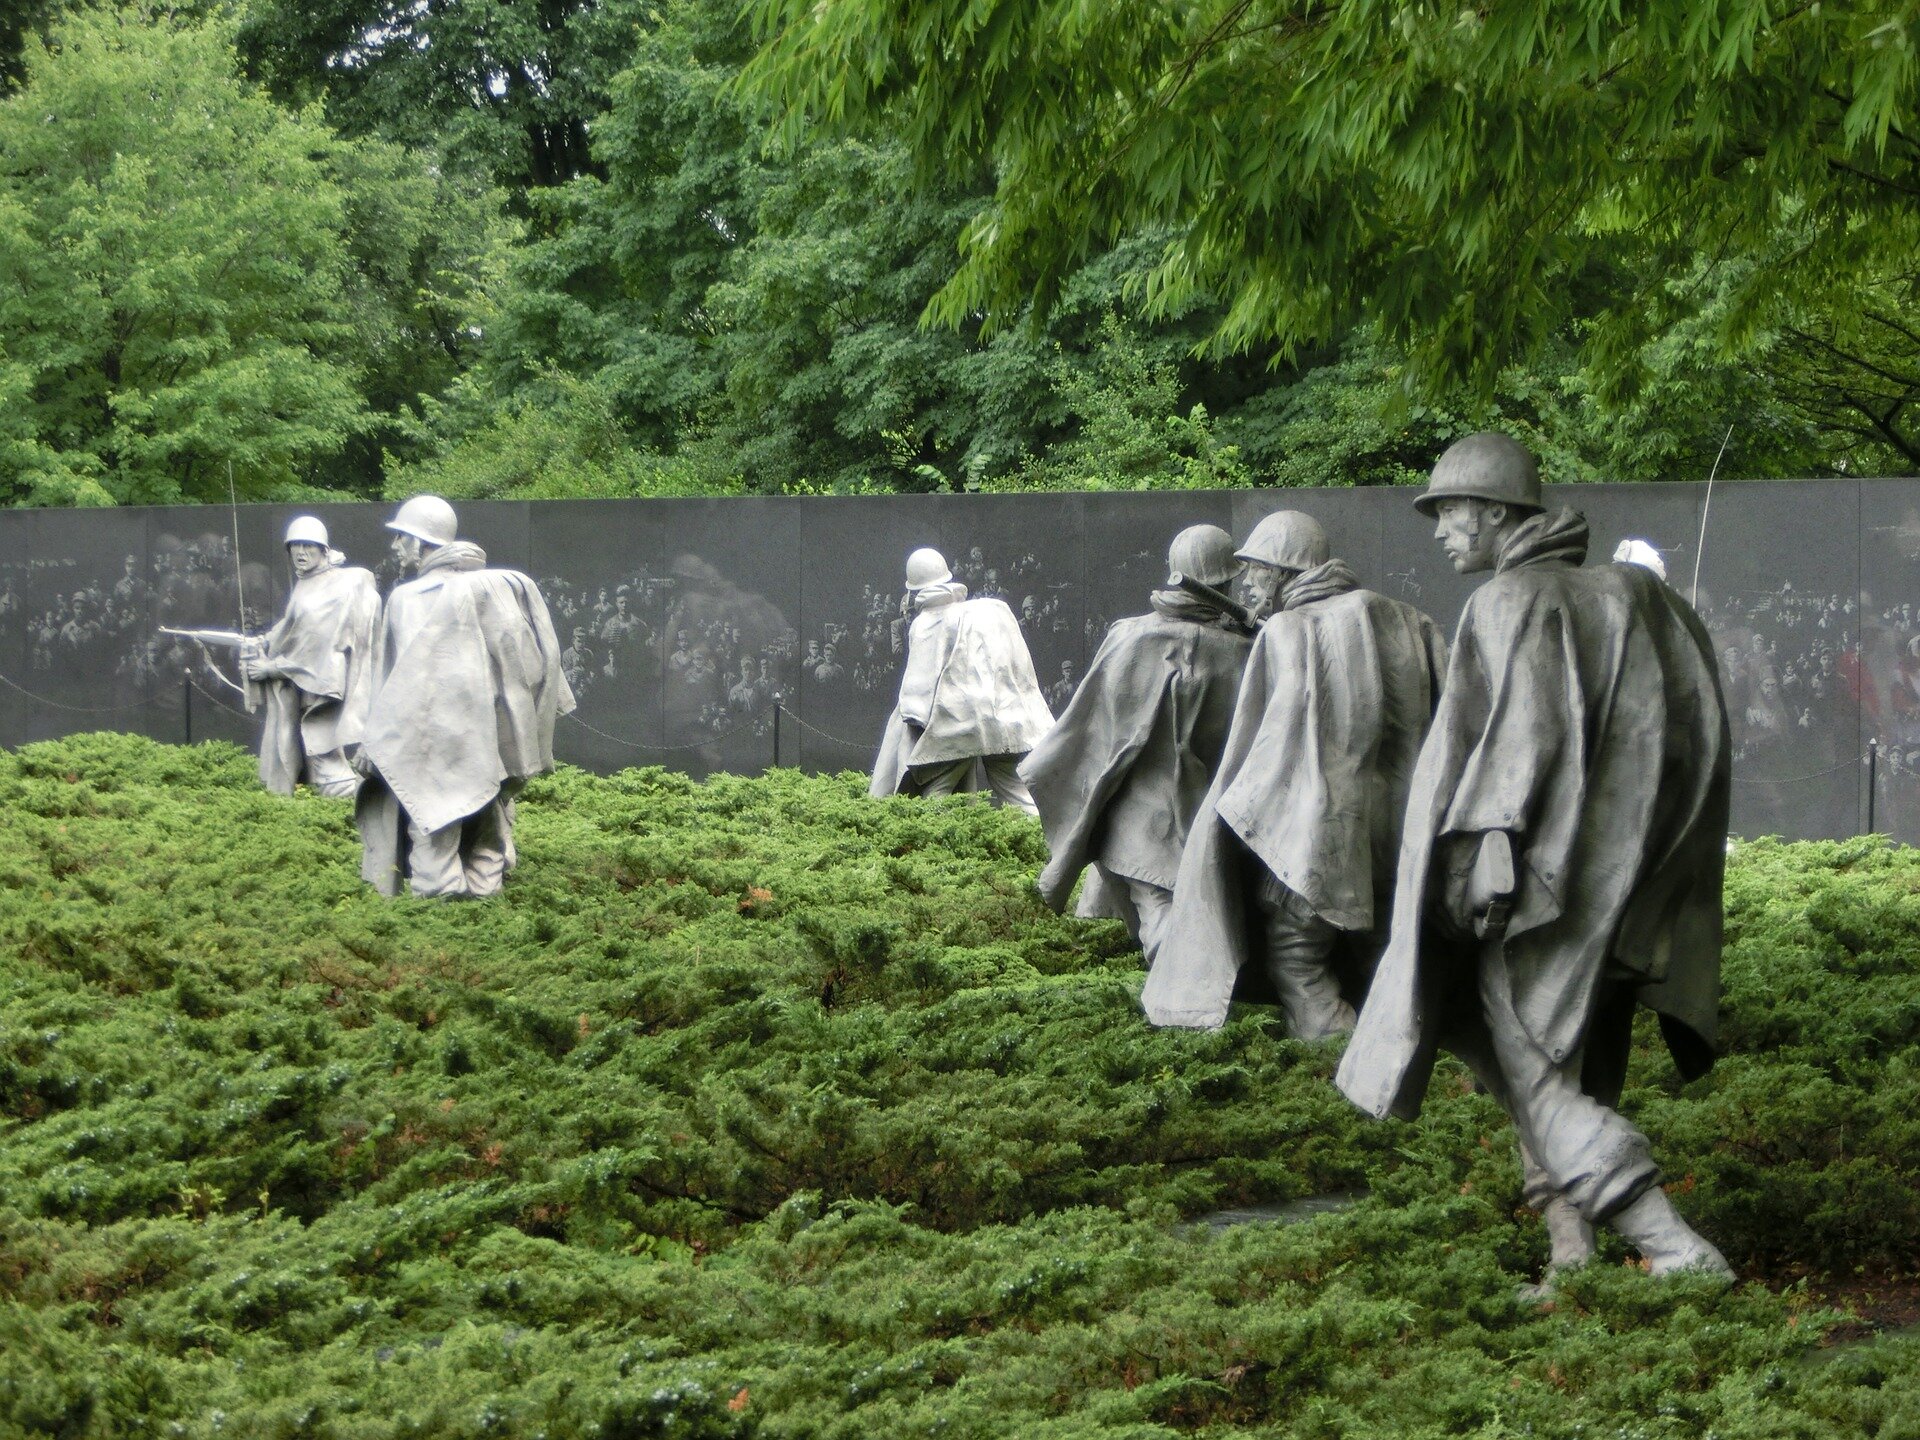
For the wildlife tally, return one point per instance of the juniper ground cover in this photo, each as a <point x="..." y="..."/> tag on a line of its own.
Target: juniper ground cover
<point x="759" y="1108"/>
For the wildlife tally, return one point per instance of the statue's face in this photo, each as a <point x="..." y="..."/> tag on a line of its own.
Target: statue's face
<point x="1469" y="531"/>
<point x="306" y="558"/>
<point x="407" y="549"/>
<point x="1263" y="584"/>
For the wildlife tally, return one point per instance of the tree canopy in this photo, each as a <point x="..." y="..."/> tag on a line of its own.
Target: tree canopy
<point x="1472" y="181"/>
<point x="561" y="247"/>
<point x="194" y="279"/>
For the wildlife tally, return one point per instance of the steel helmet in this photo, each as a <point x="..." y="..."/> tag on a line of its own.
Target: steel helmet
<point x="1484" y="466"/>
<point x="927" y="567"/>
<point x="307" y="530"/>
<point x="1203" y="553"/>
<point x="1287" y="540"/>
<point x="1639" y="552"/>
<point x="428" y="518"/>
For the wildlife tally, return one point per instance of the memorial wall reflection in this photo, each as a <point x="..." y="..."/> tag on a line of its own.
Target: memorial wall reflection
<point x="704" y="635"/>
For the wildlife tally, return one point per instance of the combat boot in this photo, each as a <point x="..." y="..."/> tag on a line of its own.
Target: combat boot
<point x="1665" y="1241"/>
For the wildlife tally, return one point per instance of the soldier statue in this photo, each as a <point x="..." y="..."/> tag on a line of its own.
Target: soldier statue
<point x="968" y="694"/>
<point x="1562" y="857"/>
<point x="1291" y="855"/>
<point x="468" y="683"/>
<point x="1123" y="770"/>
<point x="313" y="671"/>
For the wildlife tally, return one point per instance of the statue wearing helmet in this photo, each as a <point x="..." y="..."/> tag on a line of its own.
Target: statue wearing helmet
<point x="1561" y="860"/>
<point x="468" y="685"/>
<point x="1123" y="770"/>
<point x="1289" y="860"/>
<point x="968" y="695"/>
<point x="313" y="670"/>
<point x="1280" y="547"/>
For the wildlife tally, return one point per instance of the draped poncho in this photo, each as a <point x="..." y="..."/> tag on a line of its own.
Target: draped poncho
<point x="1582" y="715"/>
<point x="1335" y="701"/>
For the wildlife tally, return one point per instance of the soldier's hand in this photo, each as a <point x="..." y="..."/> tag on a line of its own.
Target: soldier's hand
<point x="1453" y="901"/>
<point x="1490" y="882"/>
<point x="256" y="666"/>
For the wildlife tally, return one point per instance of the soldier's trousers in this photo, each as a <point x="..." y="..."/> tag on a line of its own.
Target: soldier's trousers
<point x="1003" y="778"/>
<point x="1299" y="953"/>
<point x="468" y="858"/>
<point x="1572" y="1141"/>
<point x="1143" y="905"/>
<point x="329" y="773"/>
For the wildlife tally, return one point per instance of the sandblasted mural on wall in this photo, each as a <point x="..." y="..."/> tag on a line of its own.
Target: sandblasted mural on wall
<point x="703" y="634"/>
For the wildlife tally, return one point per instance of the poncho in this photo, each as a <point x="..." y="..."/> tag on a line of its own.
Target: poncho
<point x="469" y="686"/>
<point x="1126" y="765"/>
<point x="968" y="690"/>
<point x="1335" y="701"/>
<point x="1582" y="714"/>
<point x="324" y="644"/>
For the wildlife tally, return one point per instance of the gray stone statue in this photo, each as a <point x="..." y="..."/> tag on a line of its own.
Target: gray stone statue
<point x="1562" y="858"/>
<point x="468" y="685"/>
<point x="1123" y="770"/>
<point x="313" y="671"/>
<point x="1291" y="855"/>
<point x="968" y="695"/>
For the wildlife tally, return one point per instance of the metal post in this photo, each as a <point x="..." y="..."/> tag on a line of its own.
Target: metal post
<point x="777" y="708"/>
<point x="186" y="702"/>
<point x="1873" y="777"/>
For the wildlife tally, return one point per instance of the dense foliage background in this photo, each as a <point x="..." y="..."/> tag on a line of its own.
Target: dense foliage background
<point x="570" y="247"/>
<point x="761" y="1108"/>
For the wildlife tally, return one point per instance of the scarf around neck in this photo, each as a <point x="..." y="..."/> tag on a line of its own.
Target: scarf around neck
<point x="456" y="555"/>
<point x="1559" y="535"/>
<point x="1323" y="582"/>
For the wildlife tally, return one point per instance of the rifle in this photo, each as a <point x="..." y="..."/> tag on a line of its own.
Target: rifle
<point x="235" y="640"/>
<point x="221" y="639"/>
<point x="1219" y="599"/>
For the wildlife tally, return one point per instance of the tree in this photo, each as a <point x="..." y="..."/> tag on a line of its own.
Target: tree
<point x="1475" y="182"/>
<point x="193" y="279"/>
<point x="18" y="29"/>
<point x="506" y="89"/>
<point x="760" y="313"/>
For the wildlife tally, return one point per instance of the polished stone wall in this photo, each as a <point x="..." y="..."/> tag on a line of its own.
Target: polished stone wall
<point x="685" y="619"/>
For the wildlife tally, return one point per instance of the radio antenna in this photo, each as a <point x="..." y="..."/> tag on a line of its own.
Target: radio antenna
<point x="239" y="573"/>
<point x="1700" y="545"/>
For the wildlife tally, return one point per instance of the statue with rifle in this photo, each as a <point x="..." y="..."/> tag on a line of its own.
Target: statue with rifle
<point x="311" y="673"/>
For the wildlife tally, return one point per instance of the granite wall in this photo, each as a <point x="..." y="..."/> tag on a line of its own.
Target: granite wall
<point x="685" y="618"/>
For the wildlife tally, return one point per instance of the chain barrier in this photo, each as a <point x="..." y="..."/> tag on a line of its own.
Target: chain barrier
<point x="76" y="709"/>
<point x="861" y="745"/>
<point x="1796" y="779"/>
<point x="214" y="699"/>
<point x="660" y="749"/>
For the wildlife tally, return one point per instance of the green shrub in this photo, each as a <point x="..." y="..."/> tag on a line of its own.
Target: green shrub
<point x="760" y="1108"/>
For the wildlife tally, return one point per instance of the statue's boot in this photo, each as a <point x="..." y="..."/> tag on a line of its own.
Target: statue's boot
<point x="1664" y="1240"/>
<point x="1570" y="1241"/>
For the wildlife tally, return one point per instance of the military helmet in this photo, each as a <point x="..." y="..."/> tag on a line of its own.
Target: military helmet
<point x="1483" y="466"/>
<point x="927" y="567"/>
<point x="1203" y="553"/>
<point x="307" y="530"/>
<point x="1287" y="540"/>
<point x="428" y="518"/>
